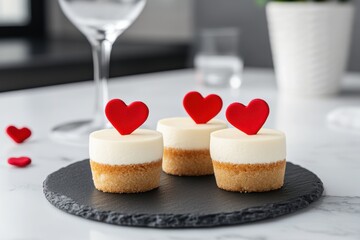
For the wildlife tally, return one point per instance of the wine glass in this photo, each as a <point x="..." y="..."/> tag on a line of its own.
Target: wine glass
<point x="101" y="21"/>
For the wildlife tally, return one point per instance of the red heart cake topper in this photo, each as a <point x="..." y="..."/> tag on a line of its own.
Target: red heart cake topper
<point x="126" y="119"/>
<point x="201" y="109"/>
<point x="248" y="119"/>
<point x="18" y="135"/>
<point x="19" y="162"/>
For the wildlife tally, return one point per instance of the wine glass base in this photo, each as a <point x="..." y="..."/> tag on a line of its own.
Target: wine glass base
<point x="75" y="133"/>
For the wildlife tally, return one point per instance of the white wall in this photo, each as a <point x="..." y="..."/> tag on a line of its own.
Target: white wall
<point x="161" y="20"/>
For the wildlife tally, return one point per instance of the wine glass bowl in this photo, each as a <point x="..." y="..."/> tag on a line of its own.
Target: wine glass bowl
<point x="101" y="21"/>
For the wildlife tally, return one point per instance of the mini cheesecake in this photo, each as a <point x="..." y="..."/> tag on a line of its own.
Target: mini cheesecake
<point x="186" y="146"/>
<point x="248" y="163"/>
<point x="126" y="163"/>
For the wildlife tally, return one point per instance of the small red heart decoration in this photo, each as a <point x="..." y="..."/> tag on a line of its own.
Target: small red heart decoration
<point x="201" y="109"/>
<point x="18" y="135"/>
<point x="19" y="161"/>
<point x="126" y="119"/>
<point x="248" y="119"/>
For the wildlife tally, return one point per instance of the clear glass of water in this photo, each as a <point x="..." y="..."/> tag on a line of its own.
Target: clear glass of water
<point x="218" y="62"/>
<point x="101" y="21"/>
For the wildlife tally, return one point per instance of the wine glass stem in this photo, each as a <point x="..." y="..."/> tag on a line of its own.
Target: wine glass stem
<point x="101" y="55"/>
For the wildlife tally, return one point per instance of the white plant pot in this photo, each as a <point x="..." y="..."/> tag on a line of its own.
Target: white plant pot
<point x="310" y="45"/>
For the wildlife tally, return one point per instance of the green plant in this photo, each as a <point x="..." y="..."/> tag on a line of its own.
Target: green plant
<point x="262" y="2"/>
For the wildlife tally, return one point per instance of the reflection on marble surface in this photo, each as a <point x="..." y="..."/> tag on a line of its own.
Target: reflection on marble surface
<point x="332" y="155"/>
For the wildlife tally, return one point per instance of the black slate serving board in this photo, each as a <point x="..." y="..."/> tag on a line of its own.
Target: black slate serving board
<point x="180" y="201"/>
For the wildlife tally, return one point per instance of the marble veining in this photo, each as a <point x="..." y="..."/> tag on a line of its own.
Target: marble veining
<point x="25" y="187"/>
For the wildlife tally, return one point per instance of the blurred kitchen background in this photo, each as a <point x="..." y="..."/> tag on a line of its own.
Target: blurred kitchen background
<point x="40" y="47"/>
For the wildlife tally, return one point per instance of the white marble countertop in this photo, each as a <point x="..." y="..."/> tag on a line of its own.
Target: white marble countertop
<point x="332" y="154"/>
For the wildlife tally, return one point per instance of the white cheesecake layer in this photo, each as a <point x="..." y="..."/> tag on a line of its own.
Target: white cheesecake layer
<point x="107" y="146"/>
<point x="233" y="146"/>
<point x="184" y="133"/>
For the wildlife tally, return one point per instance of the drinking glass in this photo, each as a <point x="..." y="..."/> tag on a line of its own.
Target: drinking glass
<point x="218" y="62"/>
<point x="101" y="21"/>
